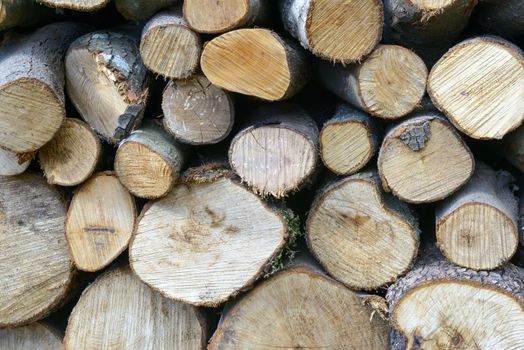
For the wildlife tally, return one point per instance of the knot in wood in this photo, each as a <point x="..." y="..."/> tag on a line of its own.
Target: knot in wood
<point x="416" y="135"/>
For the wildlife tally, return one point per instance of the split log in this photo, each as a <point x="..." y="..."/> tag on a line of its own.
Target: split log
<point x="277" y="154"/>
<point x="31" y="82"/>
<point x="15" y="13"/>
<point x="35" y="269"/>
<point x="195" y="247"/>
<point x="342" y="31"/>
<point x="107" y="82"/>
<point x="35" y="336"/>
<point x="301" y="308"/>
<point x="348" y="140"/>
<point x="11" y="163"/>
<point x="214" y="17"/>
<point x="424" y="159"/>
<point x="441" y="306"/>
<point x="168" y="47"/>
<point x="77" y="5"/>
<point x="118" y="311"/>
<point x="138" y="10"/>
<point x="478" y="85"/>
<point x="99" y="222"/>
<point x="503" y="17"/>
<point x="360" y="236"/>
<point x="149" y="162"/>
<point x="255" y="62"/>
<point x="389" y="84"/>
<point x="72" y="155"/>
<point x="477" y="227"/>
<point x="197" y="112"/>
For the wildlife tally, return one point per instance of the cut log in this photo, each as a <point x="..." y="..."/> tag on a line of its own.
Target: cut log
<point x="99" y="222"/>
<point x="77" y="5"/>
<point x="361" y="237"/>
<point x="348" y="140"/>
<point x="255" y="62"/>
<point x="197" y="112"/>
<point x="503" y="17"/>
<point x="72" y="155"/>
<point x="301" y="308"/>
<point x="107" y="82"/>
<point x="477" y="227"/>
<point x="389" y="84"/>
<point x="478" y="85"/>
<point x="31" y="82"/>
<point x="214" y="17"/>
<point x="424" y="159"/>
<point x="118" y="311"/>
<point x="149" y="162"/>
<point x="15" y="13"/>
<point x="35" y="269"/>
<point x="169" y="47"/>
<point x="441" y="306"/>
<point x="35" y="336"/>
<point x="427" y="26"/>
<point x="11" y="163"/>
<point x="342" y="31"/>
<point x="277" y="154"/>
<point x="137" y="10"/>
<point x="194" y="246"/>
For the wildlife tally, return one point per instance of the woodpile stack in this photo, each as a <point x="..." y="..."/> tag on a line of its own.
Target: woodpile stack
<point x="261" y="174"/>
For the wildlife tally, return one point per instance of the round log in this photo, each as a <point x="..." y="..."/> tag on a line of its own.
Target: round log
<point x="22" y="13"/>
<point x="35" y="336"/>
<point x="76" y="5"/>
<point x="11" y="163"/>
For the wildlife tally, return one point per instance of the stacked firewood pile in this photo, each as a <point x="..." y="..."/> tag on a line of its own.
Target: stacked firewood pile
<point x="259" y="174"/>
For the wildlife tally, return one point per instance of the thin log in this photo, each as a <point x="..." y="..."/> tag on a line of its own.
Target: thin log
<point x="138" y="10"/>
<point x="77" y="5"/>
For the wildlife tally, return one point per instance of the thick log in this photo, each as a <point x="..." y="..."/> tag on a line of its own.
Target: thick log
<point x="342" y="31"/>
<point x="31" y="82"/>
<point x="197" y="112"/>
<point x="441" y="306"/>
<point x="478" y="85"/>
<point x="477" y="227"/>
<point x="195" y="247"/>
<point x="168" y="47"/>
<point x="389" y="84"/>
<point x="503" y="17"/>
<point x="349" y="140"/>
<point x="72" y="155"/>
<point x="35" y="336"/>
<point x="301" y="308"/>
<point x="360" y="236"/>
<point x="424" y="159"/>
<point x="214" y="17"/>
<point x="256" y="62"/>
<point x="14" y="13"/>
<point x="148" y="162"/>
<point x="11" y="163"/>
<point x="99" y="222"/>
<point x="77" y="5"/>
<point x="139" y="10"/>
<point x="118" y="311"/>
<point x="277" y="153"/>
<point x="35" y="269"/>
<point x="107" y="82"/>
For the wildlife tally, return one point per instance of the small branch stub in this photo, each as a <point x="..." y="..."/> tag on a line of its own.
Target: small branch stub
<point x="35" y="336"/>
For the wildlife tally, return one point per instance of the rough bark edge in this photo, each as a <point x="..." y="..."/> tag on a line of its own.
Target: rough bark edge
<point x="74" y="7"/>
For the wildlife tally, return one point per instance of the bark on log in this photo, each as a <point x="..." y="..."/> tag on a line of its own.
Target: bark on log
<point x="107" y="82"/>
<point x="149" y="162"/>
<point x="11" y="163"/>
<point x="511" y="147"/>
<point x="77" y="5"/>
<point x="118" y="311"/>
<point x="477" y="227"/>
<point x="349" y="140"/>
<point x="277" y="154"/>
<point x="137" y="10"/>
<point x="35" y="336"/>
<point x="35" y="269"/>
<point x="503" y="17"/>
<point x="301" y="308"/>
<point x="342" y="31"/>
<point x="214" y="17"/>
<point x="194" y="246"/>
<point x="478" y="84"/>
<point x="441" y="306"/>
<point x="168" y="47"/>
<point x="255" y="62"/>
<point x="389" y="84"/>
<point x="31" y="83"/>
<point x="197" y="112"/>
<point x="15" y="13"/>
<point x="362" y="237"/>
<point x="99" y="222"/>
<point x="72" y="155"/>
<point x="424" y="159"/>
